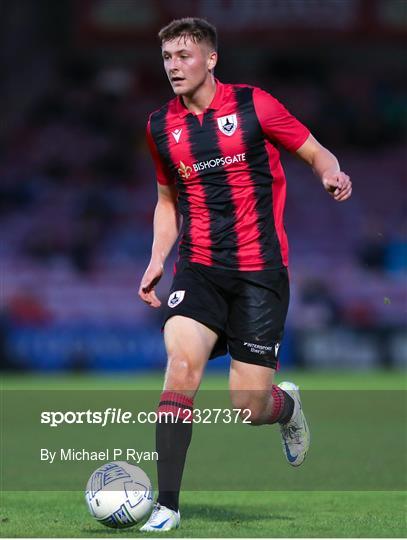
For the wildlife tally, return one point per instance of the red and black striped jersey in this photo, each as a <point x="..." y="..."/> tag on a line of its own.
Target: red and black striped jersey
<point x="226" y="166"/>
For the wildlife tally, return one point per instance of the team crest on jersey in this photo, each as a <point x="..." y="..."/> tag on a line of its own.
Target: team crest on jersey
<point x="228" y="124"/>
<point x="175" y="298"/>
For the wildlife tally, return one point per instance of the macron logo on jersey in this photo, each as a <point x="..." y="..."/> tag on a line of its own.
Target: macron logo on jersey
<point x="176" y="134"/>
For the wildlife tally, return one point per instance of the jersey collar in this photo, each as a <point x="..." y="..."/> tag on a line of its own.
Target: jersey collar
<point x="214" y="105"/>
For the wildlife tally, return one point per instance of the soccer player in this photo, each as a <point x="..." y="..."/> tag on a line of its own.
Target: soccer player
<point x="215" y="149"/>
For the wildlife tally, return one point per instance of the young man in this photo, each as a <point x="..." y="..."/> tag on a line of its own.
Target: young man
<point x="217" y="164"/>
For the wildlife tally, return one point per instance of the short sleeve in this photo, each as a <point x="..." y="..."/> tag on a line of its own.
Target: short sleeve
<point x="161" y="170"/>
<point x="277" y="122"/>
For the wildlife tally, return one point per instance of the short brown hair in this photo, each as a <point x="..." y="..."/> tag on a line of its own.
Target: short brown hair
<point x="190" y="27"/>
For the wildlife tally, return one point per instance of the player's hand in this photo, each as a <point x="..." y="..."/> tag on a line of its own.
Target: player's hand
<point x="150" y="279"/>
<point x="338" y="185"/>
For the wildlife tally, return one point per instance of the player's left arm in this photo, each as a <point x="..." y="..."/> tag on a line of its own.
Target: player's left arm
<point x="281" y="127"/>
<point x="326" y="167"/>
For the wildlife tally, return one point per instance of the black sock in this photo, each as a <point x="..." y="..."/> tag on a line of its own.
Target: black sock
<point x="172" y="442"/>
<point x="287" y="410"/>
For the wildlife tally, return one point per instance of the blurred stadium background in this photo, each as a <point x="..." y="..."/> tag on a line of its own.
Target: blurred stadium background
<point x="78" y="80"/>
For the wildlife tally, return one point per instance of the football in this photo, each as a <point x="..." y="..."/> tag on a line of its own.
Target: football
<point x="119" y="495"/>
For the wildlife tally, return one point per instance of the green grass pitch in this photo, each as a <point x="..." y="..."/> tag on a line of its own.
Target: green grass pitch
<point x="221" y="513"/>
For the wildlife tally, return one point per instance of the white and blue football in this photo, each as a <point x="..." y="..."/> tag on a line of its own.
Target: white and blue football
<point x="119" y="495"/>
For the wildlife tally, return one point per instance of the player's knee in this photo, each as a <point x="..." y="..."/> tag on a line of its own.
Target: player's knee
<point x="182" y="374"/>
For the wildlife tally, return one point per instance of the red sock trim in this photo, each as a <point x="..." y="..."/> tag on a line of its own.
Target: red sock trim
<point x="177" y="397"/>
<point x="278" y="403"/>
<point x="178" y="404"/>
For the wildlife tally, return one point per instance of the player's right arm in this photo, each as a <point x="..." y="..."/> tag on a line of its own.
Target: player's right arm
<point x="166" y="226"/>
<point x="166" y="230"/>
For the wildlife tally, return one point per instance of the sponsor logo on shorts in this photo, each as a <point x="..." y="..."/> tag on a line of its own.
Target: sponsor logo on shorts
<point x="175" y="298"/>
<point x="262" y="349"/>
<point x="258" y="349"/>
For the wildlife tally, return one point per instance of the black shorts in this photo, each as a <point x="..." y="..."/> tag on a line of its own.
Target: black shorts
<point x="246" y="309"/>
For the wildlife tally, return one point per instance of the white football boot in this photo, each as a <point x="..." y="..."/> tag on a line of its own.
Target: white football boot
<point x="295" y="434"/>
<point x="162" y="519"/>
